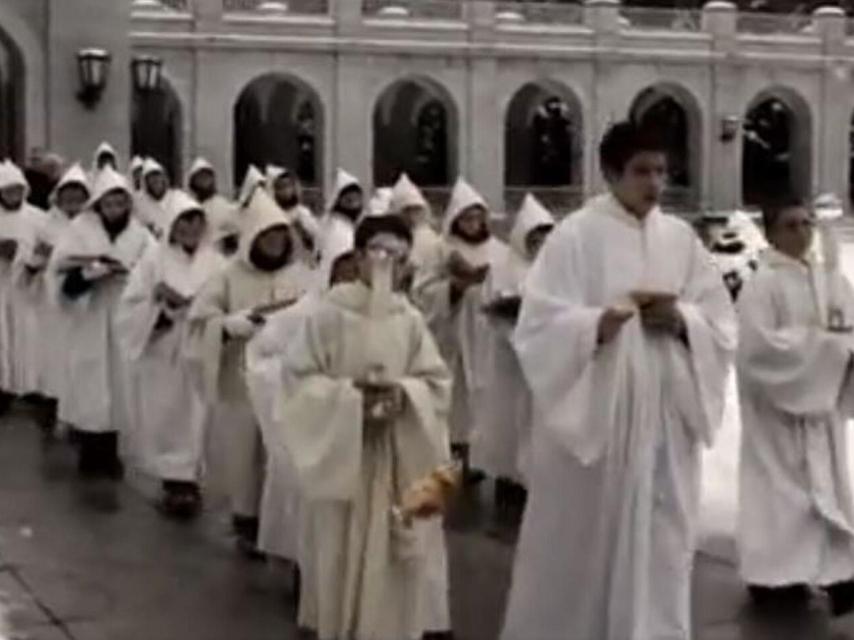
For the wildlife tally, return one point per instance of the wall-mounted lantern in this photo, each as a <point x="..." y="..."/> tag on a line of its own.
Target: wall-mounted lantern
<point x="147" y="71"/>
<point x="729" y="128"/>
<point x="93" y="67"/>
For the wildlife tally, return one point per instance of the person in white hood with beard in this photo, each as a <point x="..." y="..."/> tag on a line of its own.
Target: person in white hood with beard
<point x="451" y="295"/>
<point x="409" y="202"/>
<point x="505" y="416"/>
<point x="152" y="200"/>
<point x="222" y="215"/>
<point x="135" y="172"/>
<point x="68" y="200"/>
<point x="262" y="278"/>
<point x="151" y="322"/>
<point x="19" y="224"/>
<point x="91" y="262"/>
<point x="105" y="156"/>
<point x="286" y="191"/>
<point x="337" y="228"/>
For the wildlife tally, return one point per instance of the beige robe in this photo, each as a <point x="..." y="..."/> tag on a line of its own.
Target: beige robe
<point x="366" y="578"/>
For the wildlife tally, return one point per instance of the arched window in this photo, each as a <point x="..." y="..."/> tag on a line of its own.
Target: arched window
<point x="278" y="119"/>
<point x="415" y="132"/>
<point x="543" y="146"/>
<point x="777" y="149"/>
<point x="156" y="128"/>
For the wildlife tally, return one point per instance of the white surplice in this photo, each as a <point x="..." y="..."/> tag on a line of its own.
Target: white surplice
<point x="505" y="416"/>
<point x="99" y="395"/>
<point x="172" y="417"/>
<point x="796" y="519"/>
<point x="607" y="544"/>
<point x="461" y="329"/>
<point x="365" y="579"/>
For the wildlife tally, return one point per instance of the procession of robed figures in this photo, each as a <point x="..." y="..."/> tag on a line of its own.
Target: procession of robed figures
<point x="346" y="373"/>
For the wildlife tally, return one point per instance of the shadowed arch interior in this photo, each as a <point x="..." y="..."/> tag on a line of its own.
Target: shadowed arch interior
<point x="777" y="147"/>
<point x="673" y="112"/>
<point x="12" y="91"/>
<point x="157" y="126"/>
<point x="415" y="131"/>
<point x="543" y="134"/>
<point x="278" y="119"/>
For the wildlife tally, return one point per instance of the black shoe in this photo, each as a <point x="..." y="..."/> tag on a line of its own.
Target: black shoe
<point x="246" y="531"/>
<point x="841" y="597"/>
<point x="789" y="599"/>
<point x="180" y="500"/>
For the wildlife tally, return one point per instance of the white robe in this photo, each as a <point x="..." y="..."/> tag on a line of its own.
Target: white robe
<point x="336" y="238"/>
<point x="796" y="518"/>
<point x="365" y="579"/>
<point x="15" y="308"/>
<point x="152" y="213"/>
<point x="607" y="545"/>
<point x="99" y="394"/>
<point x="280" y="523"/>
<point x="172" y="417"/>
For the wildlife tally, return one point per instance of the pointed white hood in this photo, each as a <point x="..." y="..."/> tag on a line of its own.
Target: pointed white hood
<point x="149" y="166"/>
<point x="108" y="180"/>
<point x="462" y="197"/>
<point x="199" y="164"/>
<point x="104" y="147"/>
<point x="531" y="214"/>
<point x="343" y="180"/>
<point x="12" y="176"/>
<point x="180" y="202"/>
<point x="261" y="214"/>
<point x="274" y="172"/>
<point x="406" y="194"/>
<point x="254" y="179"/>
<point x="136" y="163"/>
<point x="74" y="175"/>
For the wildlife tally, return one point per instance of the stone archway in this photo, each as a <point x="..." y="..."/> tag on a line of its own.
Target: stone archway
<point x="157" y="128"/>
<point x="777" y="152"/>
<point x="674" y="112"/>
<point x="415" y="124"/>
<point x="278" y="119"/>
<point x="544" y="146"/>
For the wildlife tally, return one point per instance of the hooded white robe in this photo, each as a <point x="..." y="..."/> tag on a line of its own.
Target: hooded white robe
<point x="337" y="232"/>
<point x="19" y="330"/>
<point x="365" y="579"/>
<point x="796" y="518"/>
<point x="104" y="147"/>
<point x="462" y="329"/>
<point x="299" y="213"/>
<point x="219" y="362"/>
<point x="100" y="398"/>
<point x="153" y="214"/>
<point x="607" y="544"/>
<point x="172" y="417"/>
<point x="53" y="341"/>
<point x="222" y="214"/>
<point x="502" y="437"/>
<point x="426" y="243"/>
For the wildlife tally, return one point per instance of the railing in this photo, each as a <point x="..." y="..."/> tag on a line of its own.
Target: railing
<point x="184" y="6"/>
<point x="774" y="24"/>
<point x="413" y="9"/>
<point x="299" y="7"/>
<point x="539" y="13"/>
<point x="662" y="19"/>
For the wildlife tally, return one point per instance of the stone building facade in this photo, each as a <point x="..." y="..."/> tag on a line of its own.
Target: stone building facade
<point x="370" y="84"/>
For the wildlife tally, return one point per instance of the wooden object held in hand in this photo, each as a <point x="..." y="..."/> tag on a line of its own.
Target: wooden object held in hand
<point x="429" y="496"/>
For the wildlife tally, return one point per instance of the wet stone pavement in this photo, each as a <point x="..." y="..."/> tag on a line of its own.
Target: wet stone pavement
<point x="95" y="561"/>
